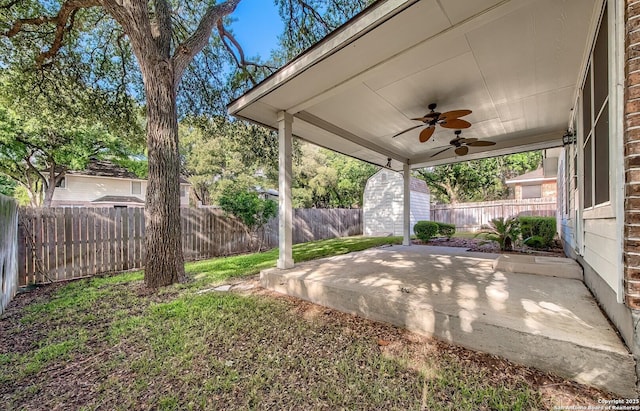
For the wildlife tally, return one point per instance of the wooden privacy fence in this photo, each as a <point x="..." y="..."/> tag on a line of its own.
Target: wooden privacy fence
<point x="472" y="216"/>
<point x="8" y="250"/>
<point x="57" y="244"/>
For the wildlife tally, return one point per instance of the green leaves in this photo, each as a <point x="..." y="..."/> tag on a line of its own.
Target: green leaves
<point x="45" y="130"/>
<point x="245" y="204"/>
<point x="327" y="179"/>
<point x="478" y="180"/>
<point x="505" y="232"/>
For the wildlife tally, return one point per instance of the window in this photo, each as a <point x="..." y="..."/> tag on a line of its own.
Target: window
<point x="531" y="191"/>
<point x="136" y="187"/>
<point x="62" y="183"/>
<point x="595" y="122"/>
<point x="183" y="190"/>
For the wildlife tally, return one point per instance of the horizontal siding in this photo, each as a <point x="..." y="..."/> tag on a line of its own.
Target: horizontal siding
<point x="88" y="189"/>
<point x="383" y="204"/>
<point x="600" y="249"/>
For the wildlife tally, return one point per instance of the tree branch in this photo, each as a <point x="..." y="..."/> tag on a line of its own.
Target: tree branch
<point x="193" y="45"/>
<point x="9" y="5"/>
<point x="241" y="62"/>
<point x="63" y="21"/>
<point x="315" y="14"/>
<point x="163" y="24"/>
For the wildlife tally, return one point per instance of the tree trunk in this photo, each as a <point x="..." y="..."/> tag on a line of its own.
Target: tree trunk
<point x="164" y="263"/>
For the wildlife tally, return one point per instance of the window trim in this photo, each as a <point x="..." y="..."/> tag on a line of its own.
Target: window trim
<point x="132" y="191"/>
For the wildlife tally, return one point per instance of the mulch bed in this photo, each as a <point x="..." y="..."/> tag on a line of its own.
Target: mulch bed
<point x="484" y="246"/>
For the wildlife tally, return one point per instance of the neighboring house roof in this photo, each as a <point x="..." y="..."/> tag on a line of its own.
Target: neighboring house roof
<point x="118" y="199"/>
<point x="536" y="176"/>
<point x="104" y="168"/>
<point x="268" y="191"/>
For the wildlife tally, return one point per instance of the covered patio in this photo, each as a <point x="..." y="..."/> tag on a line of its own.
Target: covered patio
<point x="515" y="64"/>
<point x="550" y="322"/>
<point x="518" y="66"/>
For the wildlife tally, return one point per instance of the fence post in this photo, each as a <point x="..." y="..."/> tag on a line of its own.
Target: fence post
<point x="8" y="250"/>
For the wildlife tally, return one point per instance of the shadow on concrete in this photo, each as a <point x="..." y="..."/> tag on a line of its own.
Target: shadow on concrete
<point x="547" y="322"/>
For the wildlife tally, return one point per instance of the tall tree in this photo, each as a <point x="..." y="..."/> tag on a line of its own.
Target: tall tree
<point x="165" y="36"/>
<point x="41" y="139"/>
<point x="217" y="151"/>
<point x="326" y="179"/>
<point x="164" y="46"/>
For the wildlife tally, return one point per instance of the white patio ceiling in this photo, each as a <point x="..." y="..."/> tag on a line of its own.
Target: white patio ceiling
<point x="515" y="63"/>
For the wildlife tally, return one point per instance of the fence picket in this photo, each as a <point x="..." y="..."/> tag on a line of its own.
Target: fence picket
<point x="472" y="216"/>
<point x="65" y="243"/>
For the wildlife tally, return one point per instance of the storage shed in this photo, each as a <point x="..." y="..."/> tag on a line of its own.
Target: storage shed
<point x="383" y="203"/>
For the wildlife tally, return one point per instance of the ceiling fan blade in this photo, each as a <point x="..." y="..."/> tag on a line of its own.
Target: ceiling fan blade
<point x="439" y="152"/>
<point x="426" y="134"/>
<point x="481" y="143"/>
<point x="455" y="114"/>
<point x="409" y="129"/>
<point x="468" y="141"/>
<point x="455" y="123"/>
<point x="423" y="119"/>
<point x="462" y="151"/>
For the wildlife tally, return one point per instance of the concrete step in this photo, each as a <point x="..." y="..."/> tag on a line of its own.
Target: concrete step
<point x="539" y="265"/>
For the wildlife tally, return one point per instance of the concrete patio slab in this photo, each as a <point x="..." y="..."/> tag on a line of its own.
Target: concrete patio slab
<point x="553" y="324"/>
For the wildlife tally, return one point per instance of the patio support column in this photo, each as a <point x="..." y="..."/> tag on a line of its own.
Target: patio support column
<point x="406" y="212"/>
<point x="285" y="206"/>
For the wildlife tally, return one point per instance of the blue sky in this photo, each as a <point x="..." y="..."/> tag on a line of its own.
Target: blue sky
<point x="256" y="27"/>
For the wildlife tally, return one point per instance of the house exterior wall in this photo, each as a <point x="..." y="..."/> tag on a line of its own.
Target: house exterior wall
<point x="604" y="237"/>
<point x="82" y="190"/>
<point x="383" y="203"/>
<point x="547" y="190"/>
<point x="632" y="156"/>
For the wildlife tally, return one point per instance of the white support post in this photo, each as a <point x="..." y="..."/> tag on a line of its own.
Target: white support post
<point x="285" y="140"/>
<point x="407" y="205"/>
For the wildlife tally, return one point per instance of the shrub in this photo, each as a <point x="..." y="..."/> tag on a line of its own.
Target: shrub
<point x="425" y="230"/>
<point x="446" y="230"/>
<point x="542" y="227"/>
<point x="535" y="242"/>
<point x="504" y="232"/>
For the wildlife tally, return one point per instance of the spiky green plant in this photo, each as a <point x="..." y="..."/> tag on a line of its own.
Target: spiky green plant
<point x="505" y="232"/>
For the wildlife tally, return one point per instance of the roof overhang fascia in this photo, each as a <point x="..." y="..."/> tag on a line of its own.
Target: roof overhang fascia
<point x="361" y="24"/>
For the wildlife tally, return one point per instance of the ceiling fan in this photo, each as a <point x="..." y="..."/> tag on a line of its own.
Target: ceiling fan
<point x="462" y="144"/>
<point x="448" y="119"/>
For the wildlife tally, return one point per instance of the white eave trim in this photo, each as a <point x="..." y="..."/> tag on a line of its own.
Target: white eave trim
<point x="532" y="180"/>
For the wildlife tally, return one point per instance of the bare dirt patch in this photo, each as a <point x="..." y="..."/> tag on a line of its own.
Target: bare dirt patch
<point x="101" y="375"/>
<point x="418" y="351"/>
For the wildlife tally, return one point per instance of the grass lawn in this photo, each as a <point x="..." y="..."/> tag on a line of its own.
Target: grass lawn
<point x="109" y="343"/>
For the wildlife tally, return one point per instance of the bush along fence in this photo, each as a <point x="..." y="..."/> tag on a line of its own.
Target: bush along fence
<point x="8" y="250"/>
<point x="57" y="244"/>
<point x="472" y="216"/>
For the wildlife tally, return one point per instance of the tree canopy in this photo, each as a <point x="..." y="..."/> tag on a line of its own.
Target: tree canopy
<point x="326" y="179"/>
<point x="59" y="128"/>
<point x="180" y="68"/>
<point x="477" y="180"/>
